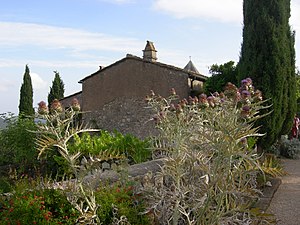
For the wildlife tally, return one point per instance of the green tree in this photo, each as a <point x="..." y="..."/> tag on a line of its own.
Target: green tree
<point x="26" y="95"/>
<point x="268" y="57"/>
<point x="298" y="91"/>
<point x="17" y="144"/>
<point x="220" y="76"/>
<point x="57" y="90"/>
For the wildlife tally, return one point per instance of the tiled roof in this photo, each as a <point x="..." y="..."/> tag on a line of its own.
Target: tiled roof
<point x="191" y="73"/>
<point x="191" y="67"/>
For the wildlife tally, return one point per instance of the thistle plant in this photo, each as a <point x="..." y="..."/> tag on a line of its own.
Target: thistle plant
<point x="209" y="175"/>
<point x="57" y="131"/>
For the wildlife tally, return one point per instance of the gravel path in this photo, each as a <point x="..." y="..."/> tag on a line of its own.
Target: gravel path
<point x="285" y="204"/>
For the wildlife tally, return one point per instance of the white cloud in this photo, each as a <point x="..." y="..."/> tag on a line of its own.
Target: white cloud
<point x="224" y="11"/>
<point x="37" y="82"/>
<point x="20" y="34"/>
<point x="295" y="15"/>
<point x="228" y="11"/>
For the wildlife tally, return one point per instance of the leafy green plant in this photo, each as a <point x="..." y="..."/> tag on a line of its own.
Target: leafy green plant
<point x="209" y="174"/>
<point x="125" y="145"/>
<point x="60" y="128"/>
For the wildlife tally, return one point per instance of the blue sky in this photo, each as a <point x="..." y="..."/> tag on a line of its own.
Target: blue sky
<point x="75" y="37"/>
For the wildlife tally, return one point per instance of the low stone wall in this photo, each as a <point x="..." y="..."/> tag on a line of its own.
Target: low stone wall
<point x="136" y="172"/>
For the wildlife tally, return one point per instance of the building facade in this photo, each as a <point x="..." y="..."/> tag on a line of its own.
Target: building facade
<point x="113" y="97"/>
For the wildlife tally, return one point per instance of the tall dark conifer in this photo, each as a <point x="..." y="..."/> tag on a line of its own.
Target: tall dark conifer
<point x="26" y="95"/>
<point x="57" y="90"/>
<point x="268" y="57"/>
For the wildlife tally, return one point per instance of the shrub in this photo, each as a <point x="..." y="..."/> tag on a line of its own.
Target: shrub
<point x="32" y="206"/>
<point x="120" y="202"/>
<point x="135" y="150"/>
<point x="289" y="148"/>
<point x="209" y="175"/>
<point x="17" y="148"/>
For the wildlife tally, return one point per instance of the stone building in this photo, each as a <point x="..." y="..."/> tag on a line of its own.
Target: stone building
<point x="113" y="97"/>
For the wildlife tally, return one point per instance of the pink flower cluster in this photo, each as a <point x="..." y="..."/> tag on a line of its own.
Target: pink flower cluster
<point x="56" y="107"/>
<point x="242" y="97"/>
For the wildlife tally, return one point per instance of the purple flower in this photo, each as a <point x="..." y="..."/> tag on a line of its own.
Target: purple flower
<point x="245" y="94"/>
<point x="43" y="109"/>
<point x="56" y="106"/>
<point x="216" y="94"/>
<point x="249" y="80"/>
<point x="244" y="82"/>
<point x="245" y="113"/>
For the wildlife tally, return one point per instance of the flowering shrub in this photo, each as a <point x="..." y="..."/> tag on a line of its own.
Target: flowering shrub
<point x="209" y="175"/>
<point x="36" y="207"/>
<point x="120" y="203"/>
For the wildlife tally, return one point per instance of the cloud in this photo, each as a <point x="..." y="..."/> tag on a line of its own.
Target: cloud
<point x="224" y="11"/>
<point x="30" y="34"/>
<point x="230" y="11"/>
<point x="37" y="82"/>
<point x="295" y="14"/>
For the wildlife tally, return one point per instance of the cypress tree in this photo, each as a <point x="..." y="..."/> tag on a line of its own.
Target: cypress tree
<point x="268" y="57"/>
<point x="57" y="90"/>
<point x="26" y="95"/>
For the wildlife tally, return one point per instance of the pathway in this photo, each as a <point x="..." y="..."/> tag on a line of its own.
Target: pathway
<point x="285" y="204"/>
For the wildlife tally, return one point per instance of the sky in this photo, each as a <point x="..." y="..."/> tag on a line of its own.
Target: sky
<point x="75" y="37"/>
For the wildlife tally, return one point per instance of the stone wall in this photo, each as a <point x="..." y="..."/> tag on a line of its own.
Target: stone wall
<point x="114" y="96"/>
<point x="131" y="77"/>
<point x="127" y="115"/>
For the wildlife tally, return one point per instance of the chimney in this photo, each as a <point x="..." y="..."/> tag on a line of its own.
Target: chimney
<point x="150" y="52"/>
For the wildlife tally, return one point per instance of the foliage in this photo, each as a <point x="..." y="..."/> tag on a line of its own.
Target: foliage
<point x="221" y="75"/>
<point x="209" y="174"/>
<point x="26" y="95"/>
<point x="268" y="56"/>
<point x="5" y="185"/>
<point x="298" y="91"/>
<point x="17" y="148"/>
<point x="33" y="206"/>
<point x="120" y="202"/>
<point x="289" y="148"/>
<point x="58" y="130"/>
<point x="125" y="145"/>
<point x="57" y="90"/>
<point x="271" y="166"/>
